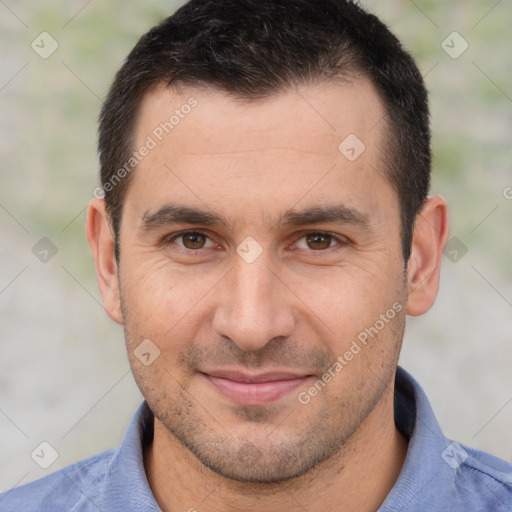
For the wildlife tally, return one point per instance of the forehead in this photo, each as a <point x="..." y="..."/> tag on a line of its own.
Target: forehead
<point x="328" y="111"/>
<point x="312" y="142"/>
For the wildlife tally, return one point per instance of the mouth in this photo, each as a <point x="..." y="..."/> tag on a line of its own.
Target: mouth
<point x="254" y="389"/>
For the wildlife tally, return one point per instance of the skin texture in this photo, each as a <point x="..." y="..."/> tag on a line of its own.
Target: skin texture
<point x="297" y="307"/>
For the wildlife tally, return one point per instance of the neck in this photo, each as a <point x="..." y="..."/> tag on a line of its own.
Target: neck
<point x="356" y="478"/>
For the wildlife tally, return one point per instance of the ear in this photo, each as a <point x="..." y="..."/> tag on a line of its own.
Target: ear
<point x="431" y="231"/>
<point x="101" y="241"/>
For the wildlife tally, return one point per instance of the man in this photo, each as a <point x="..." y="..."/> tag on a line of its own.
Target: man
<point x="265" y="231"/>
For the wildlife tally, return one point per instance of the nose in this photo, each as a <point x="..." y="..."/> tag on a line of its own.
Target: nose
<point x="254" y="305"/>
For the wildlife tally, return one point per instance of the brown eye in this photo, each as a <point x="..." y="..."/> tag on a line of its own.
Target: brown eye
<point x="318" y="241"/>
<point x="193" y="240"/>
<point x="189" y="241"/>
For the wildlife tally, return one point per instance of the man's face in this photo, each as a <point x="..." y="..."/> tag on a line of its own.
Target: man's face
<point x="268" y="292"/>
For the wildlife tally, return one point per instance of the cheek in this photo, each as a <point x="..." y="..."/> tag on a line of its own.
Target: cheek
<point x="365" y="318"/>
<point x="349" y="298"/>
<point x="159" y="298"/>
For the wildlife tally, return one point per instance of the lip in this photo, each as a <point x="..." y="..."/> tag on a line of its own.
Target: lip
<point x="254" y="389"/>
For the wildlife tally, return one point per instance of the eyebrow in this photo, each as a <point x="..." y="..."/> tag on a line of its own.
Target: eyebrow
<point x="175" y="214"/>
<point x="333" y="213"/>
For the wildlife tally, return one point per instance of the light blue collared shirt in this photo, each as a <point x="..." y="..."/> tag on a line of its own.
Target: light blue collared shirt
<point x="438" y="475"/>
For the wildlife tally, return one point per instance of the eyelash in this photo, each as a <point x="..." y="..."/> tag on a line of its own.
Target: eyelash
<point x="341" y="241"/>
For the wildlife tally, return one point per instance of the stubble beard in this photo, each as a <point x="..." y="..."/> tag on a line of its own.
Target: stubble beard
<point x="270" y="448"/>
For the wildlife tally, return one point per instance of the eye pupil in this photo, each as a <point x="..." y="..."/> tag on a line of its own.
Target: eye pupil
<point x="193" y="240"/>
<point x="319" y="241"/>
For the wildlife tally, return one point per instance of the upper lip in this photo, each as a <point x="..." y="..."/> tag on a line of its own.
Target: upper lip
<point x="253" y="378"/>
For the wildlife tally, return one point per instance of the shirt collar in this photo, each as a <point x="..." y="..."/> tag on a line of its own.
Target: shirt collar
<point x="415" y="419"/>
<point x="128" y="482"/>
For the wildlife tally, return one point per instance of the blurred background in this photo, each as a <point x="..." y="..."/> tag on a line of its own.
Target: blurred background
<point x="64" y="374"/>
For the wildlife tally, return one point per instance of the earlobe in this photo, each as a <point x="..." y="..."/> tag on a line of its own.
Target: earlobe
<point x="101" y="241"/>
<point x="431" y="231"/>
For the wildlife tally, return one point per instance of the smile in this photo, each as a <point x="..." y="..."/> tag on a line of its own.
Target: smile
<point x="254" y="390"/>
